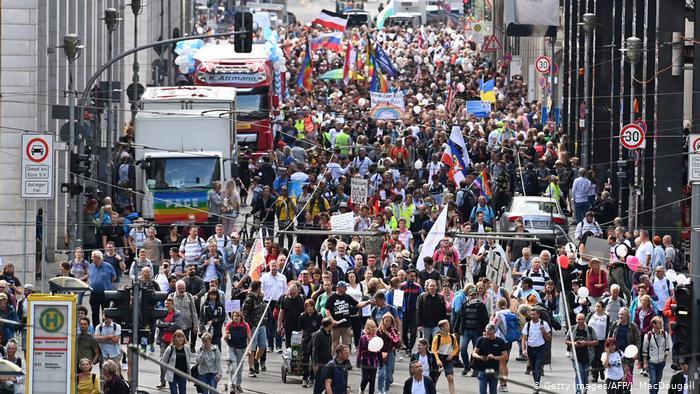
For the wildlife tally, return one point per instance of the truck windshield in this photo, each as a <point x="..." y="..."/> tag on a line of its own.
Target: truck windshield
<point x="183" y="172"/>
<point x="254" y="104"/>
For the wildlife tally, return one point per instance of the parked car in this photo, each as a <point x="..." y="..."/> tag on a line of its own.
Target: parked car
<point x="542" y="217"/>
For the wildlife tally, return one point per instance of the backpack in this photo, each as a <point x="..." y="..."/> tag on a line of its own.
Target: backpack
<point x="512" y="332"/>
<point x="678" y="262"/>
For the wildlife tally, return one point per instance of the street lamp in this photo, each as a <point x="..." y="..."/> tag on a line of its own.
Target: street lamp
<point x="111" y="20"/>
<point x="136" y="8"/>
<point x="633" y="50"/>
<point x="588" y="25"/>
<point x="72" y="49"/>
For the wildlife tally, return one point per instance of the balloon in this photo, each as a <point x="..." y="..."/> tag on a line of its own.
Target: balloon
<point x="179" y="60"/>
<point x="460" y="87"/>
<point x="671" y="275"/>
<point x="621" y="251"/>
<point x="632" y="263"/>
<point x="416" y="110"/>
<point x="419" y="96"/>
<point x="375" y="344"/>
<point x="582" y="292"/>
<point x="184" y="69"/>
<point x="418" y="164"/>
<point x="440" y="107"/>
<point x="681" y="279"/>
<point x="563" y="262"/>
<point x="361" y="102"/>
<point x="631" y="351"/>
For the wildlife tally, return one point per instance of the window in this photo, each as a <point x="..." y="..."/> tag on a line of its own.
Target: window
<point x="183" y="172"/>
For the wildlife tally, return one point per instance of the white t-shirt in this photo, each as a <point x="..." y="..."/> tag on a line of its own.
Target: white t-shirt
<point x="210" y="272"/>
<point x="662" y="289"/>
<point x="423" y="360"/>
<point x="614" y="371"/>
<point x="418" y="387"/>
<point x="534" y="335"/>
<point x="644" y="250"/>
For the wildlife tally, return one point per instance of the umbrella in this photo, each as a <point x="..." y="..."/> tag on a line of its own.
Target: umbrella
<point x="337" y="74"/>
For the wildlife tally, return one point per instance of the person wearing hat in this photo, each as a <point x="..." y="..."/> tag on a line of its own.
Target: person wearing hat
<point x="340" y="306"/>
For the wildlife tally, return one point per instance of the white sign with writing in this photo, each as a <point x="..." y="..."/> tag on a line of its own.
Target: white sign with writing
<point x="51" y="334"/>
<point x="694" y="158"/>
<point x="358" y="190"/>
<point x="37" y="166"/>
<point x="343" y="222"/>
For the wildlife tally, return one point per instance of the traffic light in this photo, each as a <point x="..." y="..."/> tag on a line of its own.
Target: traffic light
<point x="80" y="164"/>
<point x="243" y="21"/>
<point x="120" y="310"/>
<point x="150" y="306"/>
<point x="684" y="321"/>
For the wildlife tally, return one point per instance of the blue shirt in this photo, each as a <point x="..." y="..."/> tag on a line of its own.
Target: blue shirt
<point x="100" y="278"/>
<point x="299" y="261"/>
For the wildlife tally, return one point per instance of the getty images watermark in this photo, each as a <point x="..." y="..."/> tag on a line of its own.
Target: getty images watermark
<point x="604" y="386"/>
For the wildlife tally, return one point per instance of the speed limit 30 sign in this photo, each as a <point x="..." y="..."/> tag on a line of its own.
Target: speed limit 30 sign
<point x="543" y="64"/>
<point x="632" y="137"/>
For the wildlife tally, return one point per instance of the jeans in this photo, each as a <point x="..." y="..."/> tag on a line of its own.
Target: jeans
<point x="487" y="383"/>
<point x="583" y="368"/>
<point x="386" y="373"/>
<point x="467" y="336"/>
<point x="409" y="330"/>
<point x="655" y="374"/>
<point x="162" y="346"/>
<point x="236" y="356"/>
<point x="178" y="385"/>
<point x="274" y="338"/>
<point x="428" y="333"/>
<point x="536" y="357"/>
<point x="580" y="210"/>
<point x="210" y="379"/>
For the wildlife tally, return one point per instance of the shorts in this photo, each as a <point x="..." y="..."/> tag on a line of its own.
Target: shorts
<point x="260" y="340"/>
<point x="447" y="365"/>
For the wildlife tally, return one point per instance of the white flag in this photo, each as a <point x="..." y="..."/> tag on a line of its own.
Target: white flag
<point x="435" y="235"/>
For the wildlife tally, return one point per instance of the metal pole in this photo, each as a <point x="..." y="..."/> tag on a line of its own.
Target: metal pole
<point x="111" y="131"/>
<point x="135" y="349"/>
<point x="587" y="98"/>
<point x="72" y="149"/>
<point x="170" y="53"/>
<point x="133" y="357"/>
<point x="24" y="244"/>
<point x="552" y="78"/>
<point x="694" y="268"/>
<point x="632" y="211"/>
<point x="235" y="144"/>
<point x="135" y="71"/>
<point x="162" y="49"/>
<point x="44" y="233"/>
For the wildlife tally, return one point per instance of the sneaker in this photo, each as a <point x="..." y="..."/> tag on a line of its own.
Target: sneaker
<point x="408" y="353"/>
<point x="568" y="354"/>
<point x="527" y="371"/>
<point x="305" y="384"/>
<point x="239" y="388"/>
<point x="474" y="374"/>
<point x="263" y="367"/>
<point x="279" y="350"/>
<point x="152" y="349"/>
<point x="503" y="389"/>
<point x="161" y="386"/>
<point x="252" y="374"/>
<point x="125" y="366"/>
<point x="465" y="371"/>
<point x="521" y="358"/>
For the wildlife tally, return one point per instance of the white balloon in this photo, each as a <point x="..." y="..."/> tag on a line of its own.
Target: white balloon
<point x="681" y="279"/>
<point x="375" y="344"/>
<point x="441" y="107"/>
<point x="631" y="351"/>
<point x="671" y="275"/>
<point x="583" y="292"/>
<point x="419" y="96"/>
<point x="184" y="69"/>
<point x="460" y="87"/>
<point x="425" y="102"/>
<point x="179" y="60"/>
<point x="431" y="68"/>
<point x="418" y="164"/>
<point x="361" y="101"/>
<point x="470" y="67"/>
<point x="621" y="251"/>
<point x="416" y="110"/>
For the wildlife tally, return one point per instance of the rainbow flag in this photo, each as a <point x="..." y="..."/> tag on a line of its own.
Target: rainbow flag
<point x="304" y="79"/>
<point x="484" y="187"/>
<point x="173" y="206"/>
<point x="378" y="82"/>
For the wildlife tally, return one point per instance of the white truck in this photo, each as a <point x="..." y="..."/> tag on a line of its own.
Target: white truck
<point x="184" y="143"/>
<point x="408" y="13"/>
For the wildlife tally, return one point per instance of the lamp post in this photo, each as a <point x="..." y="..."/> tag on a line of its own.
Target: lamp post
<point x="633" y="50"/>
<point x="71" y="49"/>
<point x="111" y="19"/>
<point x="136" y="8"/>
<point x="588" y="25"/>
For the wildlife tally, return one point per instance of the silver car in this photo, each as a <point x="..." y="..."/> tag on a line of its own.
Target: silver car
<point x="537" y="213"/>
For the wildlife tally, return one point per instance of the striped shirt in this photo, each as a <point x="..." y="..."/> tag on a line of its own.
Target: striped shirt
<point x="538" y="279"/>
<point x="192" y="249"/>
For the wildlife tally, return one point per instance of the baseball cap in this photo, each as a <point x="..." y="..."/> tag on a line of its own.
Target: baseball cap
<point x="472" y="290"/>
<point x="342" y="283"/>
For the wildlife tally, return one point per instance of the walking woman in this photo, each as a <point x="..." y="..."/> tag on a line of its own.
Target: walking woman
<point x="355" y="290"/>
<point x="599" y="321"/>
<point x="237" y="337"/>
<point x="209" y="363"/>
<point x="368" y="361"/>
<point x="446" y="348"/>
<point x="392" y="340"/>
<point x="612" y="361"/>
<point x="177" y="356"/>
<point x="310" y="322"/>
<point x="212" y="316"/>
<point x="427" y="360"/>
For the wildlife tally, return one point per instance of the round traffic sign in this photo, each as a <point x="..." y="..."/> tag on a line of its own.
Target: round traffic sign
<point x="696" y="145"/>
<point x="632" y="136"/>
<point x="555" y="69"/>
<point x="37" y="150"/>
<point x="542" y="64"/>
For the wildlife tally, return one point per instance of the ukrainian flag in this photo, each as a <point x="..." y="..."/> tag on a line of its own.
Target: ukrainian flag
<point x="487" y="90"/>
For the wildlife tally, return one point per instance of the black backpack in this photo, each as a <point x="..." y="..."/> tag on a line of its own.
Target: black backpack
<point x="678" y="262"/>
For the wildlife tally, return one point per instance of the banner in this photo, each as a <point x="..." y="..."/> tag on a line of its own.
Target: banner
<point x="258" y="258"/>
<point x="435" y="235"/>
<point x="174" y="206"/>
<point x="358" y="190"/>
<point x="480" y="109"/>
<point x="343" y="222"/>
<point x="387" y="106"/>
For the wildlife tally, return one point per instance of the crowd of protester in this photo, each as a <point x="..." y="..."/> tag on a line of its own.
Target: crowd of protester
<point x="441" y="315"/>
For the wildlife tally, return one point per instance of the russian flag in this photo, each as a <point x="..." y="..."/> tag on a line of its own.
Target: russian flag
<point x="331" y="20"/>
<point x="331" y="41"/>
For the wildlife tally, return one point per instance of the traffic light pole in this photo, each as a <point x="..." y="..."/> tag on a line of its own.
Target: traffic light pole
<point x="693" y="373"/>
<point x="134" y="356"/>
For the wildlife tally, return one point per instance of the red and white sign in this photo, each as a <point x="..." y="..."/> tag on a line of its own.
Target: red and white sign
<point x="37" y="166"/>
<point x="694" y="158"/>
<point x="491" y="44"/>
<point x="543" y="64"/>
<point x="632" y="136"/>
